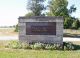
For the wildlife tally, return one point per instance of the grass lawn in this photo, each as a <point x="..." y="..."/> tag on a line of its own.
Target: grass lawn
<point x="19" y="53"/>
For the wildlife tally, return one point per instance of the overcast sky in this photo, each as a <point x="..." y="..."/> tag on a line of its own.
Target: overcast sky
<point x="10" y="10"/>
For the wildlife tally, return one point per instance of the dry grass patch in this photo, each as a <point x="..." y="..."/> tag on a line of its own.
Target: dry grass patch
<point x="71" y="33"/>
<point x="7" y="32"/>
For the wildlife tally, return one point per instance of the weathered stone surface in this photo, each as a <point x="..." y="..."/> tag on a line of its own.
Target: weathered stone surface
<point x="58" y="38"/>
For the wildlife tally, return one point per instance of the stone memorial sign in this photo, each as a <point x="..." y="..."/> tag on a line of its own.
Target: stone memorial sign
<point x="41" y="29"/>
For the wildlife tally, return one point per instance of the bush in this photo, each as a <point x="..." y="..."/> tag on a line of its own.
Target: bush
<point x="49" y="47"/>
<point x="53" y="47"/>
<point x="75" y="24"/>
<point x="68" y="46"/>
<point x="58" y="46"/>
<point x="39" y="46"/>
<point x="79" y="28"/>
<point x="14" y="45"/>
<point x="16" y="28"/>
<point x="26" y="46"/>
<point x="68" y="23"/>
<point x="32" y="46"/>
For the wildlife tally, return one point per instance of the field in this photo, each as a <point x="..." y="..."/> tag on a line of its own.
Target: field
<point x="7" y="32"/>
<point x="71" y="33"/>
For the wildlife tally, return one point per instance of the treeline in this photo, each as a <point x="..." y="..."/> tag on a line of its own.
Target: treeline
<point x="54" y="8"/>
<point x="14" y="26"/>
<point x="72" y="23"/>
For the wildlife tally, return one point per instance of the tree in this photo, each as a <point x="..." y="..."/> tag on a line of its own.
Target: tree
<point x="29" y="14"/>
<point x="36" y="6"/>
<point x="75" y="24"/>
<point x="72" y="9"/>
<point x="68" y="23"/>
<point x="16" y="28"/>
<point x="59" y="8"/>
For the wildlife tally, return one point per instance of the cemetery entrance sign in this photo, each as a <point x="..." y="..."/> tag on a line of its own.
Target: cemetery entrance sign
<point x="41" y="29"/>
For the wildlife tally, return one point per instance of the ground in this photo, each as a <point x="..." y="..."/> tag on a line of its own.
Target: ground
<point x="21" y="53"/>
<point x="25" y="53"/>
<point x="71" y="33"/>
<point x="7" y="32"/>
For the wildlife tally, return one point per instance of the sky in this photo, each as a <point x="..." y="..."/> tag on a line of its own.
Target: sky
<point x="77" y="5"/>
<point x="10" y="10"/>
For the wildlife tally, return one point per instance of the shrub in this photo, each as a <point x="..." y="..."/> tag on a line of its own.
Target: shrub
<point x="68" y="46"/>
<point x="6" y="45"/>
<point x="53" y="47"/>
<point x="58" y="46"/>
<point x="39" y="46"/>
<point x="75" y="24"/>
<point x="16" y="28"/>
<point x="14" y="45"/>
<point x="68" y="22"/>
<point x="26" y="46"/>
<point x="79" y="28"/>
<point x="76" y="47"/>
<point x="50" y="47"/>
<point x="65" y="48"/>
<point x="32" y="46"/>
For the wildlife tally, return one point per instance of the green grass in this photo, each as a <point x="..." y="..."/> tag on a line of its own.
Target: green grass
<point x="20" y="53"/>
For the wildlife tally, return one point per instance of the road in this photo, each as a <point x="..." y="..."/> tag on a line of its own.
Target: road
<point x="70" y="39"/>
<point x="16" y="38"/>
<point x="8" y="37"/>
